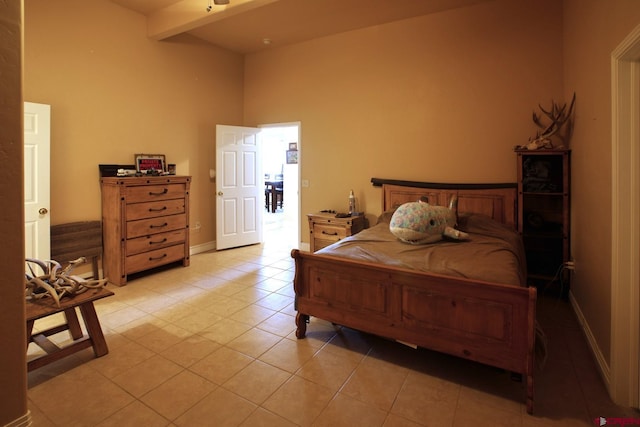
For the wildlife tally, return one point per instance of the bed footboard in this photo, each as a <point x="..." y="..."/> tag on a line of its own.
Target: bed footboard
<point x="485" y="322"/>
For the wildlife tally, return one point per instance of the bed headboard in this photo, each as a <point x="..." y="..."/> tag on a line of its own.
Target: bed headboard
<point x="498" y="201"/>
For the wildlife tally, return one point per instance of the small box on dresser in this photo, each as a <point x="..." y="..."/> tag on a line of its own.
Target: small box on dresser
<point x="145" y="224"/>
<point x="326" y="228"/>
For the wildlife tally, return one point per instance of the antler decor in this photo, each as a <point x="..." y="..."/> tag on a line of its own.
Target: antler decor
<point x="558" y="116"/>
<point x="55" y="282"/>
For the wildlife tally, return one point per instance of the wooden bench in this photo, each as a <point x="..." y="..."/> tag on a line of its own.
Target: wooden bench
<point x="47" y="306"/>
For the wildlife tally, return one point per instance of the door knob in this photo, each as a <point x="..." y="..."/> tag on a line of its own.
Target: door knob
<point x="220" y="193"/>
<point x="43" y="211"/>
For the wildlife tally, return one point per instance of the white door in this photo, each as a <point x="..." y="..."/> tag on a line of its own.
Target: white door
<point x="239" y="186"/>
<point x="37" y="123"/>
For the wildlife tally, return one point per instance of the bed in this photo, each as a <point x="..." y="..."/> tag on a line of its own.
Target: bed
<point x="450" y="310"/>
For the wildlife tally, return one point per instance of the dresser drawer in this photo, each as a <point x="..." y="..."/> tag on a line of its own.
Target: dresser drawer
<point x="146" y="193"/>
<point x="155" y="241"/>
<point x="154" y="258"/>
<point x="144" y="227"/>
<point x="331" y="233"/>
<point x="154" y="209"/>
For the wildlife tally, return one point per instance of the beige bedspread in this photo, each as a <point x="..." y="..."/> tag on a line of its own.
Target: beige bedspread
<point x="493" y="253"/>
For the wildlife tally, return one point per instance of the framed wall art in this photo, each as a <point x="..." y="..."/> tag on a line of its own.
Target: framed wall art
<point x="148" y="162"/>
<point x="292" y="157"/>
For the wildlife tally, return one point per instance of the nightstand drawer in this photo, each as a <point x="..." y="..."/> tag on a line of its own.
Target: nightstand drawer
<point x="320" y="243"/>
<point x="326" y="228"/>
<point x="329" y="232"/>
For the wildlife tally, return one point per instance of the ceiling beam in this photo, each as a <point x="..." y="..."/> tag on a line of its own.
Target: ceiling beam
<point x="187" y="15"/>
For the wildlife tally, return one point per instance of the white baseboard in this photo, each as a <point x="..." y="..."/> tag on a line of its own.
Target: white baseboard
<point x="601" y="363"/>
<point x="203" y="247"/>
<point x="211" y="246"/>
<point x="23" y="421"/>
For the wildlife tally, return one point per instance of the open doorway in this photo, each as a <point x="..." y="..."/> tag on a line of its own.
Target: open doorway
<point x="281" y="218"/>
<point x="624" y="376"/>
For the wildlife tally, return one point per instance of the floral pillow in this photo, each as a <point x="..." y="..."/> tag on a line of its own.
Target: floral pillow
<point x="419" y="223"/>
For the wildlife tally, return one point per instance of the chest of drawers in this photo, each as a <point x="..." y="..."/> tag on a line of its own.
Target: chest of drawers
<point x="325" y="228"/>
<point x="145" y="223"/>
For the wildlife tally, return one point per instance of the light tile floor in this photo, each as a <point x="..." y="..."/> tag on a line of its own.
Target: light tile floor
<point x="213" y="344"/>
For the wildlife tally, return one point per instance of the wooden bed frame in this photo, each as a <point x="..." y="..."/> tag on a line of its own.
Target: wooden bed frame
<point x="490" y="323"/>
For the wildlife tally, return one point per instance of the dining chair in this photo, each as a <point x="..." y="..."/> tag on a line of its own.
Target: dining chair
<point x="279" y="178"/>
<point x="267" y="191"/>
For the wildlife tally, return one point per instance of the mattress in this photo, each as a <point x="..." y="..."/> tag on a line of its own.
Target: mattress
<point x="493" y="253"/>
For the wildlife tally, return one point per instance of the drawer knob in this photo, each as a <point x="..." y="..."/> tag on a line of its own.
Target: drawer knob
<point x="330" y="234"/>
<point x="158" y="226"/>
<point x="164" y="208"/>
<point x="151" y="242"/>
<point x="157" y="258"/>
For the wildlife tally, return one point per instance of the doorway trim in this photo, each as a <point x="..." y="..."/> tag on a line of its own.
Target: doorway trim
<point x="298" y="125"/>
<point x="624" y="386"/>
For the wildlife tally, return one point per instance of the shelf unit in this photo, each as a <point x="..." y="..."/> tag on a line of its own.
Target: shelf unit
<point x="544" y="215"/>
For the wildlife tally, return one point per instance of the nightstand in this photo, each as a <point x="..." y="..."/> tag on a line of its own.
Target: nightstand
<point x="325" y="228"/>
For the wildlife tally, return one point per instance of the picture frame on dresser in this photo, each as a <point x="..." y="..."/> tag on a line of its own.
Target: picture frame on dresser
<point x="145" y="162"/>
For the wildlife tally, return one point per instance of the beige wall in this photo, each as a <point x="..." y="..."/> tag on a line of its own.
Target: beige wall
<point x="442" y="98"/>
<point x="592" y="30"/>
<point x="13" y="378"/>
<point x="114" y="92"/>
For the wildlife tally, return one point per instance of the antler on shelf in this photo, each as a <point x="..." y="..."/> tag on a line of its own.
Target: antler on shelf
<point x="558" y="117"/>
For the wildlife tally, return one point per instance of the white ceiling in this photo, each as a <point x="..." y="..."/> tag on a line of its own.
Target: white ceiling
<point x="243" y="25"/>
